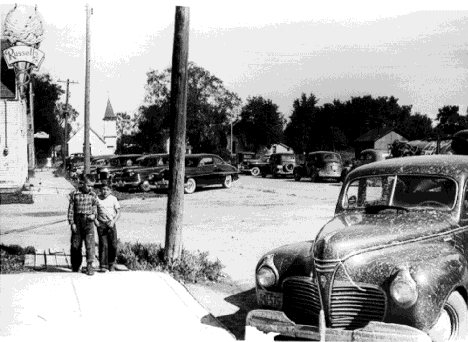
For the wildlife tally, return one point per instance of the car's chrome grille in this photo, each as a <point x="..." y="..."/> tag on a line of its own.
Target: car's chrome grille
<point x="350" y="308"/>
<point x="301" y="301"/>
<point x="353" y="307"/>
<point x="325" y="266"/>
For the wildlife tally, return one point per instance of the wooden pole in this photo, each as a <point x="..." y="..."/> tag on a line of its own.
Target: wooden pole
<point x="66" y="114"/>
<point x="31" y="149"/>
<point x="178" y="111"/>
<point x="86" y="149"/>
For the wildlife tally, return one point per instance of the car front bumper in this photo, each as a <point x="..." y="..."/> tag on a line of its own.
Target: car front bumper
<point x="272" y="321"/>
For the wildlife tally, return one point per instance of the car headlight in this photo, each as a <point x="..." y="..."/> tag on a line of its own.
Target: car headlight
<point x="266" y="277"/>
<point x="404" y="290"/>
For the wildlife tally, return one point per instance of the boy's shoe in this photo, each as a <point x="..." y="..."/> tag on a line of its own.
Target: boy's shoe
<point x="103" y="270"/>
<point x="90" y="270"/>
<point x="112" y="268"/>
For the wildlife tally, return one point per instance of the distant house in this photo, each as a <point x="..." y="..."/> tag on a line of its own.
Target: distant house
<point x="278" y="148"/>
<point x="378" y="139"/>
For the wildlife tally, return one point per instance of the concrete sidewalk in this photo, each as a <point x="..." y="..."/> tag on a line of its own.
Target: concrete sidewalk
<point x="116" y="306"/>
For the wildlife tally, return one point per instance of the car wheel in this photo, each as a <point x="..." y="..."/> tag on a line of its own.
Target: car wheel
<point x="297" y="176"/>
<point x="227" y="182"/>
<point x="145" y="187"/>
<point x="314" y="177"/>
<point x="255" y="171"/>
<point x="190" y="186"/>
<point x="452" y="324"/>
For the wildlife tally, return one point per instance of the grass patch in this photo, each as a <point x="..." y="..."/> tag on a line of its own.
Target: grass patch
<point x="16" y="197"/>
<point x="12" y="258"/>
<point x="191" y="267"/>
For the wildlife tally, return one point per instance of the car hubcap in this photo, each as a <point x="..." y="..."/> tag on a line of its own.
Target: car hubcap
<point x="190" y="187"/>
<point x="255" y="171"/>
<point x="228" y="181"/>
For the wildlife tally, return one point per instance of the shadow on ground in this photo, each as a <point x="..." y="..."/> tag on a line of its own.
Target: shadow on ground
<point x="245" y="301"/>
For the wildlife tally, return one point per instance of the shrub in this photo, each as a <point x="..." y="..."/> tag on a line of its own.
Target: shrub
<point x="191" y="267"/>
<point x="12" y="258"/>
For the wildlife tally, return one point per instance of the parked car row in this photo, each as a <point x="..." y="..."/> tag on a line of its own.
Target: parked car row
<point x="151" y="171"/>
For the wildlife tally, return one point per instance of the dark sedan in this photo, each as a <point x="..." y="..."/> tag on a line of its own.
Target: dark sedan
<point x="201" y="170"/>
<point x="139" y="176"/>
<point x="392" y="265"/>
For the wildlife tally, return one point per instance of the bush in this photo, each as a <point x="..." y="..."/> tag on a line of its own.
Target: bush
<point x="12" y="258"/>
<point x="191" y="267"/>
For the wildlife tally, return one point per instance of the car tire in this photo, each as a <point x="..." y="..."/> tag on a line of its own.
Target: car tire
<point x="314" y="177"/>
<point x="190" y="186"/>
<point x="145" y="187"/>
<point x="255" y="171"/>
<point x="227" y="183"/>
<point x="452" y="324"/>
<point x="297" y="176"/>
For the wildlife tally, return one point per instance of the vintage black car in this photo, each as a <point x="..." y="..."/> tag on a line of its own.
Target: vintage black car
<point x="392" y="265"/>
<point x="366" y="156"/>
<point x="242" y="161"/>
<point x="114" y="165"/>
<point x="201" y="170"/>
<point x="260" y="166"/>
<point x="319" y="165"/>
<point x="139" y="175"/>
<point x="280" y="164"/>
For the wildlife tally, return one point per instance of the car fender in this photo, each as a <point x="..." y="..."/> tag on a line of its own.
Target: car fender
<point x="436" y="279"/>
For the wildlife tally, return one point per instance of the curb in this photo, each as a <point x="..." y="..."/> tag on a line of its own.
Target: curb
<point x="202" y="313"/>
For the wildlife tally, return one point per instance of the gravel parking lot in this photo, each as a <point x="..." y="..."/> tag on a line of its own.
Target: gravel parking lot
<point x="237" y="225"/>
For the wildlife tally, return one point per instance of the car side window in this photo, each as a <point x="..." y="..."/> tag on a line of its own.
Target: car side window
<point x="464" y="215"/>
<point x="206" y="161"/>
<point x="218" y="160"/>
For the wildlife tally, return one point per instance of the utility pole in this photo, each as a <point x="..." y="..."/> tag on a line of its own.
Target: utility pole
<point x="65" y="114"/>
<point x="178" y="111"/>
<point x="31" y="149"/>
<point x="87" y="101"/>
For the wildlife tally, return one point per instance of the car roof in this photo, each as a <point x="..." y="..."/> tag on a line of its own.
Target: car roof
<point x="450" y="165"/>
<point x="153" y="155"/>
<point x="126" y="156"/>
<point x="322" y="152"/>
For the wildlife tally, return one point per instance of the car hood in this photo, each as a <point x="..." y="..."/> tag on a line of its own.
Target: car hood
<point x="351" y="233"/>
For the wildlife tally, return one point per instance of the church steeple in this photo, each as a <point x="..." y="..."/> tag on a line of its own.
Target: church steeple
<point x="109" y="114"/>
<point x="110" y="128"/>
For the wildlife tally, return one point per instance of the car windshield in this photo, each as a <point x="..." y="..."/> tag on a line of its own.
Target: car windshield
<point x="287" y="157"/>
<point x="328" y="157"/>
<point x="407" y="191"/>
<point x="265" y="159"/>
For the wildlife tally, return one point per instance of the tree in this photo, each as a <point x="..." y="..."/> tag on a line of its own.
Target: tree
<point x="261" y="124"/>
<point x="46" y="96"/>
<point x="125" y="124"/>
<point x="209" y="106"/>
<point x="450" y="121"/>
<point x="299" y="131"/>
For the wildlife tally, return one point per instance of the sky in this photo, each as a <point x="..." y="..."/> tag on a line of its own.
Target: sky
<point x="416" y="51"/>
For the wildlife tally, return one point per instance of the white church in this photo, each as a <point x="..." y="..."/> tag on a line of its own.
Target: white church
<point x="100" y="145"/>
